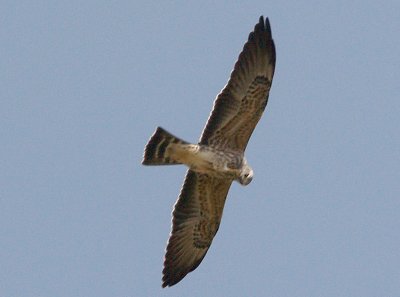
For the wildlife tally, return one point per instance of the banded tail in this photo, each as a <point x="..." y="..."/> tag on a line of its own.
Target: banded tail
<point x="161" y="147"/>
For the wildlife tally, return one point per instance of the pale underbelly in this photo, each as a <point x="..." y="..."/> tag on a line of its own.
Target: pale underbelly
<point x="209" y="161"/>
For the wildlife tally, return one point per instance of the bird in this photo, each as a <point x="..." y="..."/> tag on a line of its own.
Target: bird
<point x="218" y="158"/>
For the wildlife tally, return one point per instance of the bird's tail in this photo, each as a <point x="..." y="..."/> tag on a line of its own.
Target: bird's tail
<point x="162" y="148"/>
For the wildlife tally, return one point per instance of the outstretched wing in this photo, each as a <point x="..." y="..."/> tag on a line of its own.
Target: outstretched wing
<point x="239" y="106"/>
<point x="196" y="218"/>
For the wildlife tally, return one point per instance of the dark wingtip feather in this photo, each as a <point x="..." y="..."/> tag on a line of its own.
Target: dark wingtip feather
<point x="261" y="20"/>
<point x="267" y="25"/>
<point x="171" y="278"/>
<point x="263" y="26"/>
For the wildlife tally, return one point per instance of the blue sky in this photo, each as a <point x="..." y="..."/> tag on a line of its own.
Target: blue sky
<point x="83" y="86"/>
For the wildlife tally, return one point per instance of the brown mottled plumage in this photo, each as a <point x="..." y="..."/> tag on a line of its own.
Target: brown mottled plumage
<point x="218" y="158"/>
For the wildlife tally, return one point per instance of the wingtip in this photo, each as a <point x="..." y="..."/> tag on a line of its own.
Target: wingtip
<point x="263" y="25"/>
<point x="267" y="25"/>
<point x="171" y="278"/>
<point x="168" y="281"/>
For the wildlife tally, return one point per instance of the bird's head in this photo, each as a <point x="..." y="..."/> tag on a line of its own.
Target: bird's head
<point x="246" y="175"/>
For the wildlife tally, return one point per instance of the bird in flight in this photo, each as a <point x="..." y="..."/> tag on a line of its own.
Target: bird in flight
<point x="218" y="158"/>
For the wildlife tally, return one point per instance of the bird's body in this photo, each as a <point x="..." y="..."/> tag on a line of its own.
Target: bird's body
<point x="218" y="159"/>
<point x="207" y="159"/>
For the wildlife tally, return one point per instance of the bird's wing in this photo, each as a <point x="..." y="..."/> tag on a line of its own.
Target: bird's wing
<point x="239" y="106"/>
<point x="196" y="218"/>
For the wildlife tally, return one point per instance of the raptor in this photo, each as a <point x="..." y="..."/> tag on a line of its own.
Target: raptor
<point x="218" y="158"/>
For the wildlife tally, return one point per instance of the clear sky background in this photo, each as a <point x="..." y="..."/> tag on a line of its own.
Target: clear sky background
<point x="83" y="84"/>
